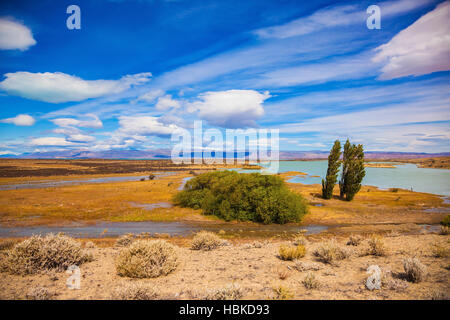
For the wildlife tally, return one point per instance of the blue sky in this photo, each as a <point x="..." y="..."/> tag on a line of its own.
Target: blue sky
<point x="137" y="71"/>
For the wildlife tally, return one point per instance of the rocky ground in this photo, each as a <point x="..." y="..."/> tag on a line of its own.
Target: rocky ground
<point x="256" y="272"/>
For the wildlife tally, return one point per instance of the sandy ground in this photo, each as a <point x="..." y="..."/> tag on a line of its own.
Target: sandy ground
<point x="257" y="271"/>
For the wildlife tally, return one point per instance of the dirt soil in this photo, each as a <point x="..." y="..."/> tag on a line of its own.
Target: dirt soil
<point x="258" y="271"/>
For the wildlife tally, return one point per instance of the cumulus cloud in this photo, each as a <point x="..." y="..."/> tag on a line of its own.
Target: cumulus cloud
<point x="51" y="141"/>
<point x="15" y="35"/>
<point x="231" y="108"/>
<point x="60" y="87"/>
<point x="20" y="120"/>
<point x="422" y="48"/>
<point x="166" y="102"/>
<point x="144" y="126"/>
<point x="94" y="122"/>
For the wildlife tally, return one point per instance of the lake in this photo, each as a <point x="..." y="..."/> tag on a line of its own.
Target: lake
<point x="404" y="176"/>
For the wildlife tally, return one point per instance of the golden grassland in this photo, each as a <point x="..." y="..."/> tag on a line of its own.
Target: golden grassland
<point x="113" y="202"/>
<point x="434" y="162"/>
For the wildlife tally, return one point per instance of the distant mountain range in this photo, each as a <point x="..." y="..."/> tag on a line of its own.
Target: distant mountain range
<point x="165" y="154"/>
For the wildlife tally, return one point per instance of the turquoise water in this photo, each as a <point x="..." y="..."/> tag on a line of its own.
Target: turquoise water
<point x="405" y="176"/>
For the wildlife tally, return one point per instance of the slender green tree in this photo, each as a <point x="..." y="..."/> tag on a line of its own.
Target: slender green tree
<point x="332" y="171"/>
<point x="353" y="170"/>
<point x="356" y="173"/>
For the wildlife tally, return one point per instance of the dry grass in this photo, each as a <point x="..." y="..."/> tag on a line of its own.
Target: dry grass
<point x="205" y="240"/>
<point x="376" y="246"/>
<point x="44" y="253"/>
<point x="7" y="244"/>
<point x="444" y="231"/>
<point x="147" y="259"/>
<point x="289" y="253"/>
<point x="306" y="266"/>
<point x="125" y="240"/>
<point x="39" y="293"/>
<point x="330" y="252"/>
<point x="310" y="282"/>
<point x="135" y="291"/>
<point x="283" y="273"/>
<point x="299" y="239"/>
<point x="354" y="240"/>
<point x="282" y="293"/>
<point x="415" y="271"/>
<point x="229" y="292"/>
<point x="439" y="251"/>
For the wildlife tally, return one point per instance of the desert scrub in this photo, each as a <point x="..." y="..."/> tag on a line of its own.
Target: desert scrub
<point x="354" y="240"/>
<point x="376" y="246"/>
<point x="44" y="253"/>
<point x="444" y="230"/>
<point x="6" y="244"/>
<point x="205" y="240"/>
<point x="310" y="281"/>
<point x="330" y="252"/>
<point x="298" y="239"/>
<point x="245" y="197"/>
<point x="147" y="259"/>
<point x="306" y="266"/>
<point x="135" y="291"/>
<point x="39" y="293"/>
<point x="415" y="271"/>
<point x="439" y="251"/>
<point x="229" y="292"/>
<point x="291" y="253"/>
<point x="125" y="240"/>
<point x="282" y="293"/>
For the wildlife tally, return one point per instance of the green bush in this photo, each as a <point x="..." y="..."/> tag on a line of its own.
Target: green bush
<point x="246" y="197"/>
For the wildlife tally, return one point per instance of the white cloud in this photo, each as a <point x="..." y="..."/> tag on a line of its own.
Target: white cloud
<point x="231" y="108"/>
<point x="20" y="120"/>
<point x="151" y="95"/>
<point x="80" y="138"/>
<point x="60" y="87"/>
<point x="422" y="48"/>
<point x="15" y="35"/>
<point x="335" y="16"/>
<point x="95" y="122"/>
<point x="51" y="141"/>
<point x="166" y="102"/>
<point x="144" y="126"/>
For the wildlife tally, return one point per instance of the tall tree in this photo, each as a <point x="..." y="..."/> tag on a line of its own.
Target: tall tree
<point x="332" y="171"/>
<point x="353" y="170"/>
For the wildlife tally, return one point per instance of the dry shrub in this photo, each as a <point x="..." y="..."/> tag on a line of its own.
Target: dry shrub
<point x="306" y="266"/>
<point x="439" y="251"/>
<point x="39" y="293"/>
<point x="299" y="239"/>
<point x="310" y="281"/>
<point x="444" y="230"/>
<point x="439" y="295"/>
<point x="415" y="271"/>
<point x="135" y="291"/>
<point x="354" y="240"/>
<point x="283" y="274"/>
<point x="147" y="259"/>
<point x="229" y="292"/>
<point x="291" y="253"/>
<point x="205" y="240"/>
<point x="6" y="244"/>
<point x="395" y="284"/>
<point x="125" y="240"/>
<point x="255" y="244"/>
<point x="44" y="253"/>
<point x="89" y="245"/>
<point x="376" y="246"/>
<point x="282" y="293"/>
<point x="330" y="252"/>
